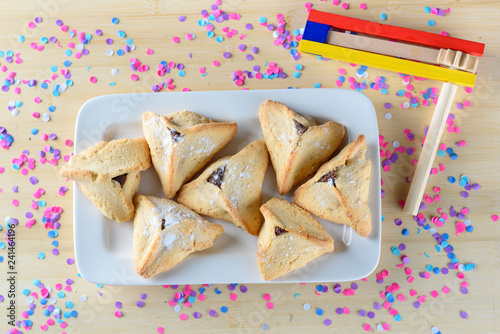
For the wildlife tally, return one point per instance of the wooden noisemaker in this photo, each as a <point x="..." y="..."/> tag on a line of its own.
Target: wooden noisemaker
<point x="451" y="60"/>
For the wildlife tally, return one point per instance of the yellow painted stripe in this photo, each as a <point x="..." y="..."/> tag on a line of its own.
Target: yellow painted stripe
<point x="388" y="63"/>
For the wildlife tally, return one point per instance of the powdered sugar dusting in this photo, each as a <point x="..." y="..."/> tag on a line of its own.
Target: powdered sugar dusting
<point x="173" y="214"/>
<point x="168" y="240"/>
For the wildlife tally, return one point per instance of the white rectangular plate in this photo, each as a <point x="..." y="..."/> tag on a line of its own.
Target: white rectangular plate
<point x="104" y="248"/>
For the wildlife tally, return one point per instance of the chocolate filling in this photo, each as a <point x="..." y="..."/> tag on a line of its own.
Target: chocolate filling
<point x="299" y="127"/>
<point x="163" y="224"/>
<point x="120" y="179"/>
<point x="176" y="135"/>
<point x="279" y="231"/>
<point x="328" y="177"/>
<point x="217" y="175"/>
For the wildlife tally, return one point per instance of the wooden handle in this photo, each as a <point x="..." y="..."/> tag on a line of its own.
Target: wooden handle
<point x="429" y="150"/>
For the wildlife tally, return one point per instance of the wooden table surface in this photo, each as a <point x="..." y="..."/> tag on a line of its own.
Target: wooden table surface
<point x="153" y="24"/>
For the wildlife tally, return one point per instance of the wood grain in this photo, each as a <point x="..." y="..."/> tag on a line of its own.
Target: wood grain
<point x="152" y="24"/>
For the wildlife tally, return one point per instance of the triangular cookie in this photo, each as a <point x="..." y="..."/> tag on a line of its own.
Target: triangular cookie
<point x="108" y="173"/>
<point x="289" y="238"/>
<point x="182" y="143"/>
<point x="165" y="232"/>
<point x="231" y="188"/>
<point x="339" y="190"/>
<point x="296" y="144"/>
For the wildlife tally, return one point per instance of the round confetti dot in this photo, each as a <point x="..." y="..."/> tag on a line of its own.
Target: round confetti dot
<point x="463" y="315"/>
<point x="431" y="23"/>
<point x="115" y="20"/>
<point x="223" y="309"/>
<point x="265" y="327"/>
<point x="383" y="16"/>
<point x="307" y="307"/>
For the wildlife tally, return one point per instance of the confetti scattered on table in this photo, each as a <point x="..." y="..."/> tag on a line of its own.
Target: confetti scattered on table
<point x="243" y="61"/>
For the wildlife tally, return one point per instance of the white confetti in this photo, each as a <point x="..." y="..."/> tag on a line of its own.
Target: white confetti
<point x="62" y="88"/>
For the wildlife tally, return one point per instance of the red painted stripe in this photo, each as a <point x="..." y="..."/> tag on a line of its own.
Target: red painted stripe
<point x="397" y="33"/>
